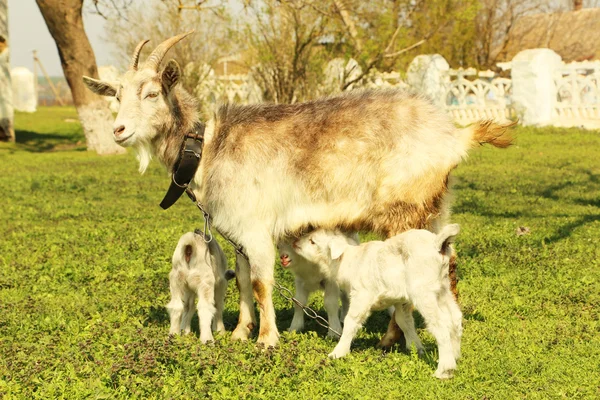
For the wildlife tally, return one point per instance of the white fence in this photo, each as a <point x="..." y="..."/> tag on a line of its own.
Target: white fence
<point x="485" y="97"/>
<point x="578" y="89"/>
<point x="542" y="90"/>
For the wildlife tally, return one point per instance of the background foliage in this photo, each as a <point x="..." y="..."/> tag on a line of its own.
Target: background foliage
<point x="85" y="255"/>
<point x="287" y="44"/>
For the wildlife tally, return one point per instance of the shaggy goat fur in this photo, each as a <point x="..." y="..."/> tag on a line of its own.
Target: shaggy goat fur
<point x="361" y="161"/>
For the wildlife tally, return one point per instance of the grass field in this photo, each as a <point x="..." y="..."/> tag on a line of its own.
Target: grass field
<point x="85" y="255"/>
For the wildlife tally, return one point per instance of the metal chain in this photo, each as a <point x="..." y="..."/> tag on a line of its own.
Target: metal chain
<point x="282" y="290"/>
<point x="307" y="310"/>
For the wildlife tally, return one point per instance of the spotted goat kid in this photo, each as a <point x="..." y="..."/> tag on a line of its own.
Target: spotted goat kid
<point x="199" y="272"/>
<point x="409" y="268"/>
<point x="309" y="278"/>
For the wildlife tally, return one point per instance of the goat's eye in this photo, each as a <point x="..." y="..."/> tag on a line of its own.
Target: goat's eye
<point x="311" y="241"/>
<point x="152" y="95"/>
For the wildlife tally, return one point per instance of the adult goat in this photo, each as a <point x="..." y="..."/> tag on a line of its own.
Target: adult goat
<point x="364" y="160"/>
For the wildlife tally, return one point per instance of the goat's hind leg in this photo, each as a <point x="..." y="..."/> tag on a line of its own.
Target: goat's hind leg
<point x="189" y="307"/>
<point x="206" y="311"/>
<point x="247" y="317"/>
<point x="220" y="292"/>
<point x="176" y="306"/>
<point x="439" y="324"/>
<point x="452" y="309"/>
<point x="404" y="318"/>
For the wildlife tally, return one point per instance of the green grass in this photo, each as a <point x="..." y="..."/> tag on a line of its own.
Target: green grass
<point x="85" y="254"/>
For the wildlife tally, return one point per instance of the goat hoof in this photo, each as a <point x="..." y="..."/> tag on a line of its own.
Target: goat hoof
<point x="445" y="374"/>
<point x="335" y="356"/>
<point x="240" y="333"/>
<point x="268" y="340"/>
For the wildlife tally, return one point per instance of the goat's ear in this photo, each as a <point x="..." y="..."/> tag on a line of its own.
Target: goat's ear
<point x="337" y="246"/>
<point x="100" y="87"/>
<point x="446" y="237"/>
<point x="170" y="75"/>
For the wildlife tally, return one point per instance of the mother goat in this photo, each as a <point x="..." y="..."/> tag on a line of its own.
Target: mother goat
<point x="365" y="160"/>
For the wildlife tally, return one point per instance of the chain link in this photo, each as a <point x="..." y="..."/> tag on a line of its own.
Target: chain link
<point x="307" y="310"/>
<point x="282" y="290"/>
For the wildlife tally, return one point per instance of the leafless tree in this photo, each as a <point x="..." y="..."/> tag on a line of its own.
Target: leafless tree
<point x="159" y="19"/>
<point x="283" y="48"/>
<point x="386" y="34"/>
<point x="495" y="20"/>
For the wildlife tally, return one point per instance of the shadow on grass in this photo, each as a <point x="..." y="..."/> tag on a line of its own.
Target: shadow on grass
<point x="376" y="324"/>
<point x="45" y="142"/>
<point x="159" y="316"/>
<point x="551" y="192"/>
<point x="566" y="230"/>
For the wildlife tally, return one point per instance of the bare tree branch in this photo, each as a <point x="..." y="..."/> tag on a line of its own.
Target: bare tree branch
<point x="349" y="23"/>
<point x="397" y="53"/>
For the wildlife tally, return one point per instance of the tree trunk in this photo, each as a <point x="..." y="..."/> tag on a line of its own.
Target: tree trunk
<point x="65" y="23"/>
<point x="348" y="21"/>
<point x="7" y="133"/>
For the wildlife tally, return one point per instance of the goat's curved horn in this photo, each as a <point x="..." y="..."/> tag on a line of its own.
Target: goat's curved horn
<point x="133" y="65"/>
<point x="154" y="59"/>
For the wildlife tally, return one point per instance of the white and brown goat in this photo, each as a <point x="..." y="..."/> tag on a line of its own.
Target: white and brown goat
<point x="199" y="272"/>
<point x="376" y="160"/>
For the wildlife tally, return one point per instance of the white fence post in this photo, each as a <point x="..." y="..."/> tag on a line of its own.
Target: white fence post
<point x="533" y="88"/>
<point x="428" y="74"/>
<point x="23" y="89"/>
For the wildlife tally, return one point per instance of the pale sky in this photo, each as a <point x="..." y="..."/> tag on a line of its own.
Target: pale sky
<point x="28" y="32"/>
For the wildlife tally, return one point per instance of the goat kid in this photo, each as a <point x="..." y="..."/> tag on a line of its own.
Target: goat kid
<point x="310" y="277"/>
<point x="376" y="160"/>
<point x="409" y="268"/>
<point x="199" y="272"/>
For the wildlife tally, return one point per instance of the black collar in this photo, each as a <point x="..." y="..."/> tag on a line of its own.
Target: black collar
<point x="186" y="165"/>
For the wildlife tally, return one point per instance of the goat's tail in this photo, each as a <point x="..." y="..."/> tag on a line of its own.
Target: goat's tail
<point x="487" y="131"/>
<point x="185" y="250"/>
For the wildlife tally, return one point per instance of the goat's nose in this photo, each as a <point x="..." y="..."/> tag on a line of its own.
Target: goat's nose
<point x="119" y="130"/>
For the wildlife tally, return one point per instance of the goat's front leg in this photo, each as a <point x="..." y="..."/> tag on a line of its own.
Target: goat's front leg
<point x="345" y="305"/>
<point x="302" y="296"/>
<point x="261" y="252"/>
<point x="358" y="312"/>
<point x="331" y="302"/>
<point x="247" y="317"/>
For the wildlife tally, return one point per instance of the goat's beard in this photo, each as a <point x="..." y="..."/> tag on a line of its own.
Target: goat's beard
<point x="144" y="155"/>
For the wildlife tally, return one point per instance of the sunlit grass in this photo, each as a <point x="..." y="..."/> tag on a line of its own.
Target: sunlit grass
<point x="85" y="254"/>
